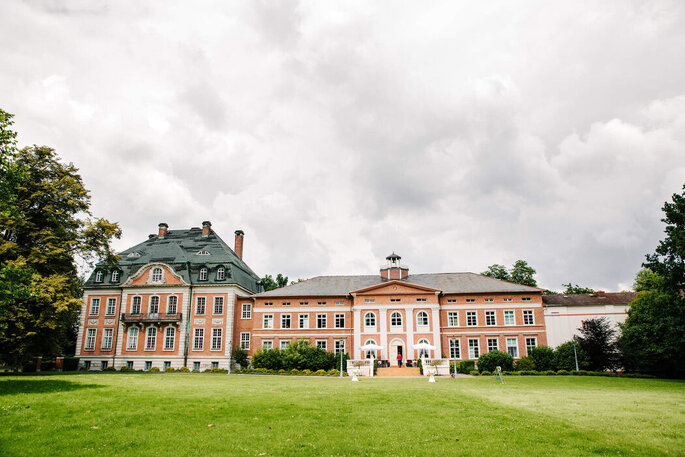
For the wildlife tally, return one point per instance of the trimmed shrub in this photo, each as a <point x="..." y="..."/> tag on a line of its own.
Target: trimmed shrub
<point x="466" y="366"/>
<point x="563" y="373"/>
<point x="542" y="357"/>
<point x="525" y="364"/>
<point x="474" y="373"/>
<point x="125" y="369"/>
<point x="295" y="371"/>
<point x="485" y="373"/>
<point x="170" y="370"/>
<point x="334" y="372"/>
<point x="528" y="373"/>
<point x="70" y="364"/>
<point x="320" y="372"/>
<point x="579" y="373"/>
<point x="493" y="359"/>
<point x="154" y="370"/>
<point x="282" y="371"/>
<point x="110" y="368"/>
<point x="550" y="373"/>
<point x="195" y="371"/>
<point x="184" y="370"/>
<point x="306" y="372"/>
<point x="215" y="370"/>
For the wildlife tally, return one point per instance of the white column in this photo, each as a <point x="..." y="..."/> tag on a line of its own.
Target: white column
<point x="410" y="334"/>
<point x="357" y="333"/>
<point x="82" y="325"/>
<point x="383" y="316"/>
<point x="436" y="332"/>
<point x="228" y="324"/>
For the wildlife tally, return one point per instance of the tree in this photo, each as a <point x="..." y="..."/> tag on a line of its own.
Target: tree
<point x="597" y="338"/>
<point x="565" y="357"/>
<point x="542" y="357"/>
<point x="269" y="283"/>
<point x="520" y="273"/>
<point x="240" y="357"/>
<point x="493" y="359"/>
<point x="576" y="289"/>
<point x="497" y="271"/>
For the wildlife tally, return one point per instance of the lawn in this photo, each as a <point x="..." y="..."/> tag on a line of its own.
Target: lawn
<point x="212" y="414"/>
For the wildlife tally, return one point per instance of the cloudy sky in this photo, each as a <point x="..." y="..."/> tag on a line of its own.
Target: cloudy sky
<point x="456" y="134"/>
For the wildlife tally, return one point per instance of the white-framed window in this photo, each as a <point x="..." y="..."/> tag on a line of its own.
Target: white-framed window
<point x="285" y="320"/>
<point x="268" y="303"/>
<point x="169" y="338"/>
<point x="304" y="320"/>
<point x="245" y="341"/>
<point x="422" y="319"/>
<point x="99" y="276"/>
<point x="267" y="345"/>
<point x="493" y="345"/>
<point x="216" y="339"/>
<point x="151" y="339"/>
<point x="370" y="319"/>
<point x="154" y="304"/>
<point x="340" y="303"/>
<point x="525" y="299"/>
<point x="471" y="318"/>
<point x="490" y="318"/>
<point x="531" y="342"/>
<point x="215" y="364"/>
<point x="103" y="365"/>
<point x="285" y="345"/>
<point x="94" y="306"/>
<point x="304" y="303"/>
<point x="135" y="304"/>
<point x="199" y="339"/>
<point x="157" y="274"/>
<point x="322" y="344"/>
<point x="172" y="304"/>
<point x="489" y="300"/>
<point x="509" y="318"/>
<point x="423" y="352"/>
<point x="339" y="321"/>
<point x="246" y="311"/>
<point x="167" y="365"/>
<point x="339" y="346"/>
<point x="196" y="366"/>
<point x="321" y="321"/>
<point x="528" y="317"/>
<point x="470" y="300"/>
<point x="506" y="299"/>
<point x="451" y="300"/>
<point x="452" y="318"/>
<point x="129" y="364"/>
<point x="455" y="350"/>
<point x="106" y="344"/>
<point x="285" y="303"/>
<point x="321" y="303"/>
<point x="200" y="305"/>
<point x="370" y="354"/>
<point x="420" y="299"/>
<point x="474" y="348"/>
<point x="148" y="365"/>
<point x="513" y="347"/>
<point x="218" y="305"/>
<point x="111" y="307"/>
<point x="396" y="319"/>
<point x="369" y="300"/>
<point x="394" y="300"/>
<point x="268" y="321"/>
<point x="220" y="274"/>
<point x="204" y="272"/>
<point x="115" y="276"/>
<point x="132" y="340"/>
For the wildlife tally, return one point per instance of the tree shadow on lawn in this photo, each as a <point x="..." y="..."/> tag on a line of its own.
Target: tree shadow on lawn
<point x="39" y="386"/>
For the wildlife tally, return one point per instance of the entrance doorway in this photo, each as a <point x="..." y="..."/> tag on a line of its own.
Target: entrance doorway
<point x="396" y="347"/>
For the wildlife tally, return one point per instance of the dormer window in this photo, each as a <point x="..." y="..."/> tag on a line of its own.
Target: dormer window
<point x="133" y="254"/>
<point x="115" y="276"/>
<point x="220" y="274"/>
<point x="203" y="274"/>
<point x="99" y="276"/>
<point x="156" y="274"/>
<point x="202" y="252"/>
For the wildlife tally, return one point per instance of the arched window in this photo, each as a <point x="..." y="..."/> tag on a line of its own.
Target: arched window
<point x="99" y="276"/>
<point x="396" y="319"/>
<point x="422" y="319"/>
<point x="172" y="304"/>
<point x="156" y="274"/>
<point x="203" y="274"/>
<point x="220" y="274"/>
<point x="370" y="319"/>
<point x="370" y="354"/>
<point x="115" y="276"/>
<point x="423" y="352"/>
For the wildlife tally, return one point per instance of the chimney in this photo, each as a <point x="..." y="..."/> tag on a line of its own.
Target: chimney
<point x="206" y="228"/>
<point x="601" y="293"/>
<point x="163" y="229"/>
<point x="239" y="234"/>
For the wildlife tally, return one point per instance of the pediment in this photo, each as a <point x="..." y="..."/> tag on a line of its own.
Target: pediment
<point x="144" y="276"/>
<point x="395" y="287"/>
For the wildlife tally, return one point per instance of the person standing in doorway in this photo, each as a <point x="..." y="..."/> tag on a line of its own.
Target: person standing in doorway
<point x="399" y="360"/>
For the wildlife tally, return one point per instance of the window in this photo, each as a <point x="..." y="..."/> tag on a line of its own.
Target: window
<point x="455" y="351"/>
<point x="247" y="311"/>
<point x="135" y="305"/>
<point x="172" y="304"/>
<point x="490" y="318"/>
<point x="196" y="366"/>
<point x="304" y="303"/>
<point x="90" y="339"/>
<point x="245" y="341"/>
<point x="167" y="365"/>
<point x="370" y="354"/>
<point x="396" y="319"/>
<point x="423" y="352"/>
<point x="214" y="364"/>
<point x="103" y="365"/>
<point x="321" y="303"/>
<point x="512" y="347"/>
<point x="115" y="276"/>
<point x="216" y="339"/>
<point x="451" y="300"/>
<point x="369" y="300"/>
<point x="94" y="306"/>
<point x="492" y="344"/>
<point x="169" y="338"/>
<point x="148" y="365"/>
<point x="422" y="319"/>
<point x="132" y="342"/>
<point x="218" y="305"/>
<point x="452" y="319"/>
<point x="266" y="345"/>
<point x="471" y="318"/>
<point x="474" y="348"/>
<point x="200" y="305"/>
<point x="321" y="345"/>
<point x="339" y="346"/>
<point x="525" y="299"/>
<point x="151" y="340"/>
<point x="304" y="320"/>
<point x="320" y="321"/>
<point x="489" y="300"/>
<point x="585" y="325"/>
<point x="509" y="318"/>
<point x="154" y="305"/>
<point x="86" y="364"/>
<point x="268" y="303"/>
<point x="202" y="252"/>
<point x="199" y="339"/>
<point x="129" y="365"/>
<point x="133" y="254"/>
<point x="340" y="303"/>
<point x="107" y="339"/>
<point x="394" y="300"/>
<point x="370" y="319"/>
<point x="99" y="276"/>
<point x="339" y="321"/>
<point x="285" y="345"/>
<point x="203" y="274"/>
<point x="470" y="300"/>
<point x="268" y="321"/>
<point x="220" y="274"/>
<point x="421" y="299"/>
<point x="285" y="320"/>
<point x="111" y="307"/>
<point x="156" y="275"/>
<point x="528" y="317"/>
<point x="530" y="344"/>
<point x="286" y="303"/>
<point x="506" y="299"/>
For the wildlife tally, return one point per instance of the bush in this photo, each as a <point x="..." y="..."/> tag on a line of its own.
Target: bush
<point x="466" y="366"/>
<point x="70" y="364"/>
<point x="48" y="366"/>
<point x="195" y="371"/>
<point x="215" y="370"/>
<point x="511" y="373"/>
<point x="125" y="369"/>
<point x="542" y="357"/>
<point x="493" y="359"/>
<point x="170" y="370"/>
<point x="29" y="367"/>
<point x="550" y="373"/>
<point x="563" y="373"/>
<point x="240" y="357"/>
<point x="528" y="373"/>
<point x="295" y="371"/>
<point x="320" y="373"/>
<point x="579" y="373"/>
<point x="154" y="370"/>
<point x="564" y="358"/>
<point x="485" y="373"/>
<point x="282" y="371"/>
<point x="111" y="368"/>
<point x="267" y="358"/>
<point x="184" y="370"/>
<point x="334" y="372"/>
<point x="525" y="364"/>
<point x="306" y="372"/>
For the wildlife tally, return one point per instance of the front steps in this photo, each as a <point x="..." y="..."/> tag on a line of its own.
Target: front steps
<point x="398" y="372"/>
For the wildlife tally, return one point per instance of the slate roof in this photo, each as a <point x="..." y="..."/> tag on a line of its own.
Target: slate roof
<point x="179" y="249"/>
<point x="448" y="283"/>
<point x="607" y="298"/>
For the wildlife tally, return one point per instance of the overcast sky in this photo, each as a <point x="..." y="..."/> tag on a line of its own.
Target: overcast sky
<point x="457" y="135"/>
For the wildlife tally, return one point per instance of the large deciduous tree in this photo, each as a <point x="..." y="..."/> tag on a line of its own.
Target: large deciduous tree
<point x="269" y="283"/>
<point x="520" y="273"/>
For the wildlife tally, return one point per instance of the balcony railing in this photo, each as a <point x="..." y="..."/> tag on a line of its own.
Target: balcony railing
<point x="151" y="317"/>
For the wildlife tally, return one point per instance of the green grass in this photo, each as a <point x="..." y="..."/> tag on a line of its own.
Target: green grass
<point x="211" y="414"/>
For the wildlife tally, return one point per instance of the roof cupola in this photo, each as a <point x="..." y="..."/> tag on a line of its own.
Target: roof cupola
<point x="394" y="269"/>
